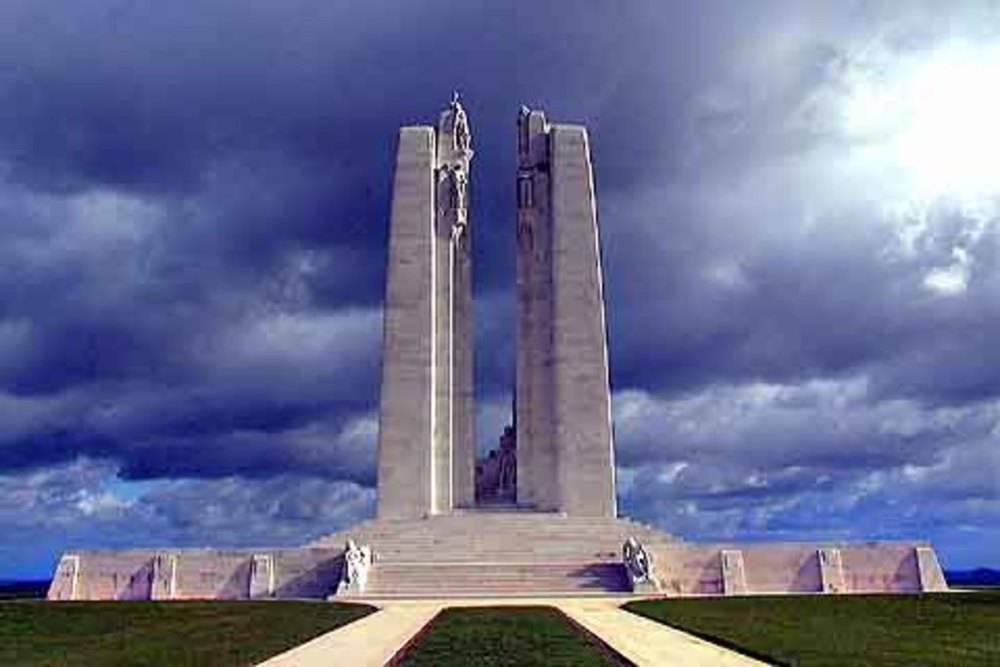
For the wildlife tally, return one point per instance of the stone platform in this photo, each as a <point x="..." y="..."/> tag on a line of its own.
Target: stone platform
<point x="497" y="553"/>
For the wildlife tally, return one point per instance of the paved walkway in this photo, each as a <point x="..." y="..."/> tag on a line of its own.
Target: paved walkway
<point x="376" y="638"/>
<point x="647" y="642"/>
<point x="372" y="640"/>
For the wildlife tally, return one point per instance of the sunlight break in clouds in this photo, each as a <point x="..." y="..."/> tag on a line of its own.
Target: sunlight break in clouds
<point x="937" y="115"/>
<point x="930" y="124"/>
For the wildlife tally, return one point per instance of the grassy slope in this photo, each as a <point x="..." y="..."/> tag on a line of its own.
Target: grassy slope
<point x="85" y="634"/>
<point x="502" y="636"/>
<point x="813" y="631"/>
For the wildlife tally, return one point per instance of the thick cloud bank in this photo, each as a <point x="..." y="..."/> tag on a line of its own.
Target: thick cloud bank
<point x="799" y="212"/>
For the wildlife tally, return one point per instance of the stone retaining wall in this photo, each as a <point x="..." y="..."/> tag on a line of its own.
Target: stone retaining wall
<point x="685" y="569"/>
<point x="191" y="574"/>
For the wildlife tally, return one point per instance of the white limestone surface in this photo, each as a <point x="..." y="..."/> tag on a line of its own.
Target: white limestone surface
<point x="405" y="420"/>
<point x="582" y="402"/>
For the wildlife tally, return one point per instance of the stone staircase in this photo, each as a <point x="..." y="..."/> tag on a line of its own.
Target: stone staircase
<point x="494" y="579"/>
<point x="496" y="553"/>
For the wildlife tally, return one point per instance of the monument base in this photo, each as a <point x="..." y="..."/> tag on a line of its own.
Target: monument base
<point x="499" y="553"/>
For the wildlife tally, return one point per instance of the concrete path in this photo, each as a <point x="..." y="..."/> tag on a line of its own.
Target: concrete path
<point x="647" y="642"/>
<point x="376" y="638"/>
<point x="372" y="640"/>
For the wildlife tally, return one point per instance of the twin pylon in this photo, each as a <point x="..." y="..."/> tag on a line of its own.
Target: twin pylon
<point x="565" y="451"/>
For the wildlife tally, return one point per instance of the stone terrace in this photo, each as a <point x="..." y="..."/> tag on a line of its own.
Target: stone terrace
<point x="496" y="553"/>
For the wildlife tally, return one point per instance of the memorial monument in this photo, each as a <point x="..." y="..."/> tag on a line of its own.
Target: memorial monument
<point x="538" y="516"/>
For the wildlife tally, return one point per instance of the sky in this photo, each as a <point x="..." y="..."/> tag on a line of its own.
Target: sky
<point x="799" y="205"/>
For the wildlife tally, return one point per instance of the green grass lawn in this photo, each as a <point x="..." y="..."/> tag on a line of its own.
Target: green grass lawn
<point x="819" y="631"/>
<point x="174" y="634"/>
<point x="503" y="636"/>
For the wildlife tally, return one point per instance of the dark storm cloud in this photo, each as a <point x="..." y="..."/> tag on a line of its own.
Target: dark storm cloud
<point x="193" y="209"/>
<point x="224" y="182"/>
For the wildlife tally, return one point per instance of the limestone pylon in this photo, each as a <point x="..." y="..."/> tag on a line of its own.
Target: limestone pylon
<point x="426" y="442"/>
<point x="563" y="414"/>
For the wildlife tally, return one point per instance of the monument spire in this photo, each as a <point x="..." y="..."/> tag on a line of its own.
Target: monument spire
<point x="426" y="440"/>
<point x="565" y="456"/>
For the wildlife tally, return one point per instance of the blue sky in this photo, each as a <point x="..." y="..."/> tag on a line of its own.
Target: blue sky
<point x="799" y="214"/>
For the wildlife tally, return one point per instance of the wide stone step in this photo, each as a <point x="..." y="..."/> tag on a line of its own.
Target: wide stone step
<point x="499" y="537"/>
<point x="518" y="524"/>
<point x="493" y="578"/>
<point x="388" y="557"/>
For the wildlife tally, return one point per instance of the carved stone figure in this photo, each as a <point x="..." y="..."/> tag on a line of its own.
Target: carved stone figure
<point x="463" y="138"/>
<point x="457" y="231"/>
<point x="507" y="480"/>
<point x="460" y="185"/>
<point x="637" y="561"/>
<point x="487" y="476"/>
<point x="358" y="561"/>
<point x="452" y="190"/>
<point x="496" y="475"/>
<point x="447" y="197"/>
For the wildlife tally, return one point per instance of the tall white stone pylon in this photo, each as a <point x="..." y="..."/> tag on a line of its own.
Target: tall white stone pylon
<point x="426" y="442"/>
<point x="563" y="405"/>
